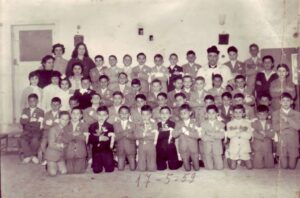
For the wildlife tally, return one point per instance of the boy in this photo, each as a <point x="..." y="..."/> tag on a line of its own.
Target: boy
<point x="74" y="136"/>
<point x="177" y="84"/>
<point x="84" y="95"/>
<point x="197" y="97"/>
<point x="165" y="147"/>
<point x="191" y="68"/>
<point x="73" y="102"/>
<point x="226" y="109"/>
<point x="104" y="91"/>
<point x="237" y="67"/>
<point x="156" y="88"/>
<point x="32" y="88"/>
<point x="102" y="139"/>
<point x="262" y="139"/>
<point x="175" y="71"/>
<point x="162" y="100"/>
<point x="159" y="72"/>
<point x="113" y="71"/>
<point x="51" y="91"/>
<point x="31" y="119"/>
<point x="54" y="153"/>
<point x="99" y="70"/>
<point x="240" y="87"/>
<point x="212" y="134"/>
<point x="118" y="100"/>
<point x="126" y="144"/>
<point x="50" y="119"/>
<point x="187" y="86"/>
<point x="217" y="90"/>
<point x="285" y="122"/>
<point x="146" y="133"/>
<point x="134" y="91"/>
<point x="252" y="66"/>
<point x="140" y="101"/>
<point x="239" y="99"/>
<point x="180" y="99"/>
<point x="187" y="132"/>
<point x="142" y="72"/>
<point x="122" y="85"/>
<point x="239" y="131"/>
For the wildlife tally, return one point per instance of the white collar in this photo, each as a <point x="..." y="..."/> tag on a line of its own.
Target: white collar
<point x="286" y="111"/>
<point x="187" y="122"/>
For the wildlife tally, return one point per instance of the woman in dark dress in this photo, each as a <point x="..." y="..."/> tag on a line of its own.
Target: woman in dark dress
<point x="80" y="54"/>
<point x="45" y="72"/>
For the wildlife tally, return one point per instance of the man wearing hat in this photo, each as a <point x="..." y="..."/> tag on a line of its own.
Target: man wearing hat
<point x="213" y="68"/>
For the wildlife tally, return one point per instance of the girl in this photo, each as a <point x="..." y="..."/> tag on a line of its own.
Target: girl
<point x="76" y="76"/>
<point x="65" y="93"/>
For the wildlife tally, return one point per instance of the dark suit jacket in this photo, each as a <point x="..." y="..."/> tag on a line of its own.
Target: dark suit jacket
<point x="84" y="99"/>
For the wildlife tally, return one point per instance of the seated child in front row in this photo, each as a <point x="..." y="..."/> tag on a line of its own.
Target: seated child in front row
<point x="286" y="123"/>
<point x="31" y="119"/>
<point x="165" y="147"/>
<point x="54" y="153"/>
<point x="126" y="144"/>
<point x="239" y="131"/>
<point x="146" y="133"/>
<point x="51" y="117"/>
<point x="212" y="134"/>
<point x="187" y="132"/>
<point x="75" y="139"/>
<point x="102" y="139"/>
<point x="262" y="139"/>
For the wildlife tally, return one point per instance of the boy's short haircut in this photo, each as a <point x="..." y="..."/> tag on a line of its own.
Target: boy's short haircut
<point x="229" y="87"/>
<point x="99" y="56"/>
<point x="265" y="95"/>
<point x="76" y="108"/>
<point x="227" y="94"/>
<point x="268" y="57"/>
<point x="178" y="78"/>
<point x="209" y="97"/>
<point x="146" y="108"/>
<point x="158" y="56"/>
<point x="240" y="77"/>
<point x="102" y="108"/>
<point x="58" y="45"/>
<point x="191" y="52"/>
<point x="173" y="54"/>
<point x="185" y="107"/>
<point x="56" y="99"/>
<point x="200" y="78"/>
<point x="214" y="107"/>
<point x="127" y="55"/>
<point x="46" y="58"/>
<point x="217" y="76"/>
<point x="122" y="73"/>
<point x="254" y="45"/>
<point x="86" y="78"/>
<point x="232" y="49"/>
<point x="77" y="64"/>
<point x="180" y="95"/>
<point x="65" y="79"/>
<point x="163" y="94"/>
<point x="124" y="107"/>
<point x="156" y="81"/>
<point x="72" y="98"/>
<point x="286" y="95"/>
<point x="96" y="94"/>
<point x="187" y="76"/>
<point x="118" y="93"/>
<point x="238" y="95"/>
<point x="112" y="56"/>
<point x="141" y="96"/>
<point x="262" y="108"/>
<point x="62" y="113"/>
<point x="165" y="107"/>
<point x="239" y="107"/>
<point x="33" y="95"/>
<point x="103" y="77"/>
<point x="140" y="54"/>
<point x="135" y="81"/>
<point x="33" y="74"/>
<point x="56" y="74"/>
<point x="285" y="66"/>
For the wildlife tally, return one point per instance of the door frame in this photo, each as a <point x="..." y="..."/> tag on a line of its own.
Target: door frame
<point x="13" y="54"/>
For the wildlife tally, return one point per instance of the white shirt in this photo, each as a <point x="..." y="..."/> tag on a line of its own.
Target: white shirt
<point x="122" y="87"/>
<point x="286" y="111"/>
<point x="263" y="123"/>
<point x="54" y="113"/>
<point x="74" y="124"/>
<point x="233" y="62"/>
<point x="64" y="97"/>
<point x="207" y="73"/>
<point x="254" y="59"/>
<point x="268" y="75"/>
<point x="32" y="110"/>
<point x="49" y="92"/>
<point x="226" y="109"/>
<point x="124" y="124"/>
<point x="103" y="90"/>
<point x="187" y="122"/>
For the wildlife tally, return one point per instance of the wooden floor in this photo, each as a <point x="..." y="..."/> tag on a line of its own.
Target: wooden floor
<point x="30" y="181"/>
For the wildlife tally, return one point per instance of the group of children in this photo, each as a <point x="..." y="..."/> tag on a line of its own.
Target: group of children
<point x="158" y="118"/>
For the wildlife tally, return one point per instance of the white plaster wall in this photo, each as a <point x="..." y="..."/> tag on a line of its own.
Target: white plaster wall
<point x="110" y="27"/>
